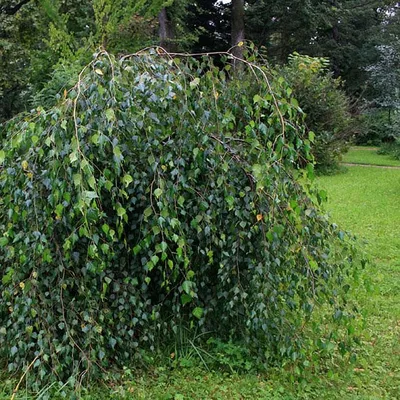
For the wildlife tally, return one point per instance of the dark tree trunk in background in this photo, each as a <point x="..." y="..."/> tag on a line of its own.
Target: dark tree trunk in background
<point x="167" y="34"/>
<point x="237" y="27"/>
<point x="336" y="38"/>
<point x="10" y="9"/>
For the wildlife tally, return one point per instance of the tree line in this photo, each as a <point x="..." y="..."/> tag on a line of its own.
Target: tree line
<point x="36" y="35"/>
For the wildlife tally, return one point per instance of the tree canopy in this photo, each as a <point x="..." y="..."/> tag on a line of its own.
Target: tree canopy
<point x="156" y="175"/>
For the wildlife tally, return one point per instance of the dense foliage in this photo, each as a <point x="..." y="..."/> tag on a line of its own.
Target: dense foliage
<point x="391" y="148"/>
<point x="36" y="35"/>
<point x="326" y="106"/>
<point x="161" y="195"/>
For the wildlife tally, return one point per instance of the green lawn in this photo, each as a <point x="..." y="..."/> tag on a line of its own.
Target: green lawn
<point x="368" y="155"/>
<point x="366" y="202"/>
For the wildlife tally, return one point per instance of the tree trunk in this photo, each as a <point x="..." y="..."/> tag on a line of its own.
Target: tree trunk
<point x="237" y="34"/>
<point x="167" y="34"/>
<point x="11" y="9"/>
<point x="336" y="38"/>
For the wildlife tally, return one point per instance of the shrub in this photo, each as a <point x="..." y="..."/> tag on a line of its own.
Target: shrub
<point x="158" y="195"/>
<point x="392" y="149"/>
<point x="377" y="127"/>
<point x="325" y="105"/>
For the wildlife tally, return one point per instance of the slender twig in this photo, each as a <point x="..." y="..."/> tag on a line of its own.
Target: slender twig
<point x="15" y="391"/>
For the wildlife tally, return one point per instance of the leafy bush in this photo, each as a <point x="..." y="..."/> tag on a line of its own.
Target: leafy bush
<point x="372" y="128"/>
<point x="377" y="127"/>
<point x="325" y="104"/>
<point x="159" y="195"/>
<point x="392" y="149"/>
<point x="61" y="78"/>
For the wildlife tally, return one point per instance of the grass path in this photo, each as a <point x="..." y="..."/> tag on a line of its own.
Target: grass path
<point x="369" y="165"/>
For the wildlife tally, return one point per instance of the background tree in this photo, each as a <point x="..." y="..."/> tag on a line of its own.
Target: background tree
<point x="211" y="22"/>
<point x="237" y="33"/>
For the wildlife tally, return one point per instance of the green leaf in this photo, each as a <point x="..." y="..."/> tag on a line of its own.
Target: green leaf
<point x="127" y="179"/>
<point x="279" y="229"/>
<point x="147" y="212"/>
<point x="155" y="259"/>
<point x="59" y="210"/>
<point x="294" y="102"/>
<point x="89" y="195"/>
<point x="73" y="156"/>
<point x="158" y="192"/>
<point x="112" y="342"/>
<point x="230" y="200"/>
<point x="95" y="138"/>
<point x="3" y="241"/>
<point x="7" y="278"/>
<point x="198" y="312"/>
<point x="117" y="152"/>
<point x="194" y="83"/>
<point x="92" y="182"/>
<point x="257" y="98"/>
<point x="186" y="286"/>
<point x="77" y="179"/>
<point x="136" y="249"/>
<point x="121" y="211"/>
<point x="174" y="222"/>
<point x="185" y="298"/>
<point x="190" y="274"/>
<point x="110" y="115"/>
<point x="2" y="156"/>
<point x="105" y="248"/>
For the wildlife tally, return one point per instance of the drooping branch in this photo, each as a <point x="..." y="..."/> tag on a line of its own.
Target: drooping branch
<point x="10" y="9"/>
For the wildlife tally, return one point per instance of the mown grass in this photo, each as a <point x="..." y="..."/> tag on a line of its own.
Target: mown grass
<point x="368" y="155"/>
<point x="364" y="201"/>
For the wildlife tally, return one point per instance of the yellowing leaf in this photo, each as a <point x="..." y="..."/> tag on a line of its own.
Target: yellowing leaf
<point x="24" y="165"/>
<point x="240" y="44"/>
<point x="99" y="72"/>
<point x="259" y="217"/>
